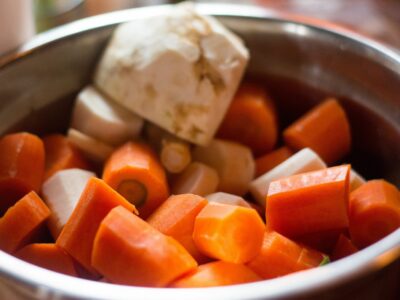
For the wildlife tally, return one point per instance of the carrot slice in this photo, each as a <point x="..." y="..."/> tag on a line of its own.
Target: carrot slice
<point x="272" y="159"/>
<point x="325" y="129"/>
<point x="228" y="232"/>
<point x="78" y="234"/>
<point x="251" y="120"/>
<point x="134" y="171"/>
<point x="344" y="247"/>
<point x="48" y="256"/>
<point x="280" y="256"/>
<point x="21" y="167"/>
<point x="374" y="212"/>
<point x="140" y="255"/>
<point x="61" y="155"/>
<point x="22" y="222"/>
<point x="176" y="216"/>
<point x="218" y="273"/>
<point x="309" y="202"/>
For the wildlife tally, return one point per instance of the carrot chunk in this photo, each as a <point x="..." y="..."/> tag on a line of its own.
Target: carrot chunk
<point x="61" y="155"/>
<point x="280" y="256"/>
<point x="309" y="202"/>
<point x="78" y="234"/>
<point x="325" y="129"/>
<point x="22" y="222"/>
<point x="140" y="255"/>
<point x="270" y="160"/>
<point x="21" y="167"/>
<point x="218" y="273"/>
<point x="48" y="256"/>
<point x="344" y="247"/>
<point x="228" y="232"/>
<point x="374" y="212"/>
<point x="251" y="120"/>
<point x="134" y="171"/>
<point x="176" y="216"/>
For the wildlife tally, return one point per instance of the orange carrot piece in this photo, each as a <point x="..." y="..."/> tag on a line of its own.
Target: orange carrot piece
<point x="48" y="256"/>
<point x="272" y="159"/>
<point x="323" y="241"/>
<point x="251" y="120"/>
<point x="344" y="247"/>
<point x="228" y="232"/>
<point x="374" y="212"/>
<point x="127" y="250"/>
<point x="325" y="129"/>
<point x="218" y="273"/>
<point x="22" y="222"/>
<point x="309" y="202"/>
<point x="280" y="256"/>
<point x="134" y="171"/>
<point x="61" y="155"/>
<point x="176" y="216"/>
<point x="78" y="234"/>
<point x="21" y="167"/>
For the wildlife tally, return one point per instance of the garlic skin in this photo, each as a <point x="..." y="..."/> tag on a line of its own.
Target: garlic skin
<point x="179" y="70"/>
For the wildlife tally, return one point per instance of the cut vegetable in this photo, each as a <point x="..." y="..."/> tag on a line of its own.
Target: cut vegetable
<point x="251" y="120"/>
<point x="103" y="119"/>
<point x="218" y="273"/>
<point x="141" y="255"/>
<point x="134" y="171"/>
<point x="22" y="222"/>
<point x="226" y="198"/>
<point x="374" y="212"/>
<point x="95" y="150"/>
<point x="305" y="160"/>
<point x="344" y="247"/>
<point x="233" y="162"/>
<point x="356" y="180"/>
<point x="175" y="155"/>
<point x="48" y="256"/>
<point x="79" y="232"/>
<point x="270" y="160"/>
<point x="61" y="192"/>
<point x="309" y="202"/>
<point x="280" y="256"/>
<point x="198" y="179"/>
<point x="228" y="232"/>
<point x="21" y="167"/>
<point x="325" y="129"/>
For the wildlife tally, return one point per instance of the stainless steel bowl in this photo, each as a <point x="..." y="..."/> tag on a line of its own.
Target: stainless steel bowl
<point x="300" y="61"/>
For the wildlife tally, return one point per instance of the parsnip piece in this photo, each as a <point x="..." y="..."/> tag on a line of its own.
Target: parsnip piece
<point x="92" y="148"/>
<point x="226" y="198"/>
<point x="233" y="162"/>
<point x="198" y="179"/>
<point x="306" y="160"/>
<point x="356" y="180"/>
<point x="61" y="192"/>
<point x="103" y="119"/>
<point x="175" y="155"/>
<point x="178" y="70"/>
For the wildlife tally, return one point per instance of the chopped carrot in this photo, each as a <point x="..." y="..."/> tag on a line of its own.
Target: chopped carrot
<point x="374" y="212"/>
<point x="127" y="250"/>
<point x="21" y="167"/>
<point x="61" y="155"/>
<point x="218" y="273"/>
<point x="325" y="129"/>
<point x="270" y="160"/>
<point x="280" y="256"/>
<point x="344" y="247"/>
<point x="175" y="217"/>
<point x="48" y="256"/>
<point x="228" y="232"/>
<point x="323" y="241"/>
<point x="134" y="171"/>
<point x="77" y="236"/>
<point x="22" y="222"/>
<point x="251" y="120"/>
<point x="309" y="202"/>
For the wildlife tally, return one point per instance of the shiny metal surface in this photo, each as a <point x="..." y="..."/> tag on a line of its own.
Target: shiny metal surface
<point x="300" y="60"/>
